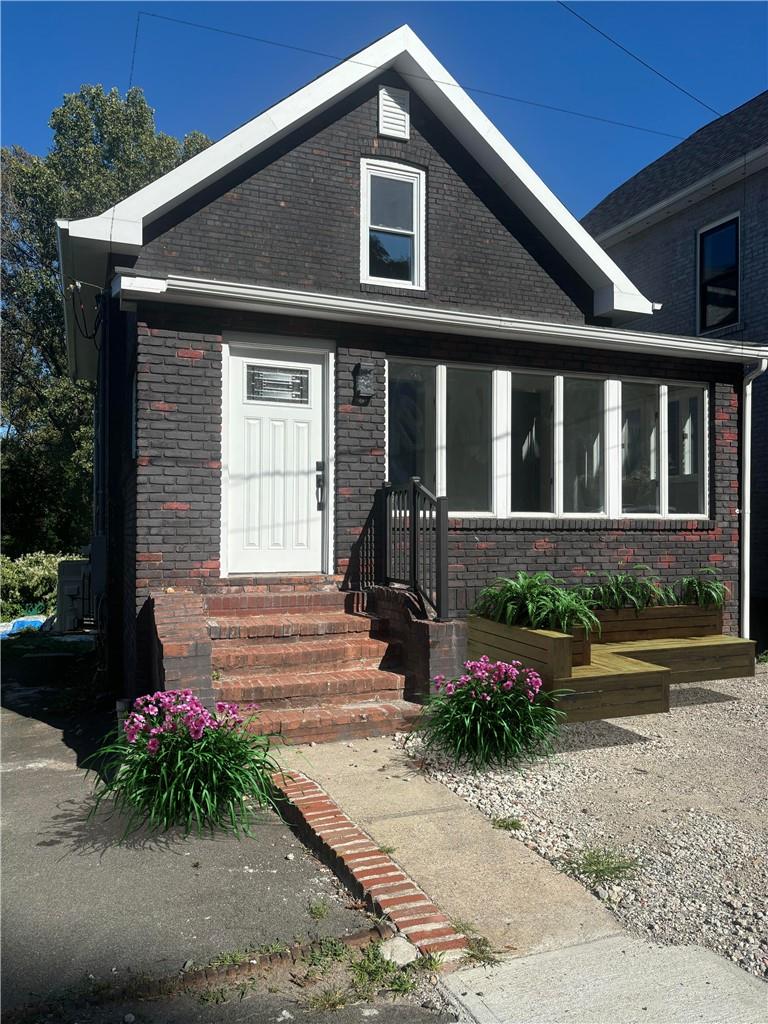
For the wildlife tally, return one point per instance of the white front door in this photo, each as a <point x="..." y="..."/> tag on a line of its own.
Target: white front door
<point x="276" y="468"/>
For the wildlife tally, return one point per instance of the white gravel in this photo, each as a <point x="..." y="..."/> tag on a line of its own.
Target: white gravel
<point x="684" y="793"/>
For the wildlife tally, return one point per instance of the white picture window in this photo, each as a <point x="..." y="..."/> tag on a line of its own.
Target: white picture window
<point x="509" y="443"/>
<point x="392" y="225"/>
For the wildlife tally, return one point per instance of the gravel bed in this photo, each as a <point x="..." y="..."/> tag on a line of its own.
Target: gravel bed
<point x="686" y="794"/>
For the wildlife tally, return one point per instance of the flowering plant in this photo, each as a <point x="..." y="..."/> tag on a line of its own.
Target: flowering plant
<point x="177" y="763"/>
<point x="494" y="714"/>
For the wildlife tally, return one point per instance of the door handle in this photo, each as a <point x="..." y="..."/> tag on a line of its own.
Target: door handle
<point x="320" y="485"/>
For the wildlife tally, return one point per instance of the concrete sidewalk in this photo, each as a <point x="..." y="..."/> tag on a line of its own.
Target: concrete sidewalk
<point x="567" y="957"/>
<point x="474" y="872"/>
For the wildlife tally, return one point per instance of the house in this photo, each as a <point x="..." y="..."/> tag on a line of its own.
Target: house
<point x="367" y="283"/>
<point x="691" y="230"/>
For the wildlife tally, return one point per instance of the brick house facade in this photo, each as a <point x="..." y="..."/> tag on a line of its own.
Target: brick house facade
<point x="268" y="247"/>
<point x="650" y="227"/>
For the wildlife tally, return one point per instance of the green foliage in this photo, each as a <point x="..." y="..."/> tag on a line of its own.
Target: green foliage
<point x="495" y="715"/>
<point x="762" y="658"/>
<point x="536" y="601"/>
<point x="628" y="590"/>
<point x="601" y="864"/>
<point x="704" y="589"/>
<point x="28" y="584"/>
<point x="327" y="951"/>
<point x="317" y="909"/>
<point x="104" y="148"/>
<point x="372" y="974"/>
<point x="332" y="998"/>
<point x="176" y="764"/>
<point x="507" y="824"/>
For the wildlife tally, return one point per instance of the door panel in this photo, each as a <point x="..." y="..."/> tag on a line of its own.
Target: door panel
<point x="276" y="430"/>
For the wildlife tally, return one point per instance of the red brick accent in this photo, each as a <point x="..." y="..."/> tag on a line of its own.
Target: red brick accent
<point x="365" y="868"/>
<point x="176" y="506"/>
<point x="189" y="353"/>
<point x="149" y="556"/>
<point x="162" y="406"/>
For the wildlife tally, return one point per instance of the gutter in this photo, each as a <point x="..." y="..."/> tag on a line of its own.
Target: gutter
<point x="746" y="492"/>
<point x="231" y="295"/>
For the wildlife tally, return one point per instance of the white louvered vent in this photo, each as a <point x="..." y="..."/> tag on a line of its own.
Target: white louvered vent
<point x="394" y="112"/>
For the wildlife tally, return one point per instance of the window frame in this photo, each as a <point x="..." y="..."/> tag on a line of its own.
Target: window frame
<point x="700" y="233"/>
<point x="501" y="443"/>
<point x="370" y="168"/>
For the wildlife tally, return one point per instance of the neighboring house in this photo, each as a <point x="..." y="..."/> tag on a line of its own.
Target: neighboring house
<point x="691" y="230"/>
<point x="368" y="283"/>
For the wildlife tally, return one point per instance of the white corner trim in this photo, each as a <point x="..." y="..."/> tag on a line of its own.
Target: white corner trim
<point x="230" y="295"/>
<point x="722" y="178"/>
<point x="121" y="227"/>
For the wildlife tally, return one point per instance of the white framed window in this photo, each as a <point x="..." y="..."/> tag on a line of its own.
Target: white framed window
<point x="392" y="224"/>
<point x="536" y="444"/>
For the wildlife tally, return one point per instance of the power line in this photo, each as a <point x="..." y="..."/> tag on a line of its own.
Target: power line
<point x="468" y="88"/>
<point x="639" y="60"/>
<point x="135" y="44"/>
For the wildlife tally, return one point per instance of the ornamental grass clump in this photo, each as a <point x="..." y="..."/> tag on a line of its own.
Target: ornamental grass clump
<point x="536" y="601"/>
<point x="494" y="715"/>
<point x="178" y="764"/>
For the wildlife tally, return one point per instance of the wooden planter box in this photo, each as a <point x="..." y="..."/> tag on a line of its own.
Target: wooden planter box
<point x="550" y="653"/>
<point x="673" y="621"/>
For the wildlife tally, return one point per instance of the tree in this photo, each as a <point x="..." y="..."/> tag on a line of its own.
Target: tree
<point x="104" y="148"/>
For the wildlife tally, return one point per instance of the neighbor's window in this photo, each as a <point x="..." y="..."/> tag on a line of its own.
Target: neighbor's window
<point x="392" y="225"/>
<point x="640" y="448"/>
<point x="514" y="443"/>
<point x="719" y="276"/>
<point x="411" y="422"/>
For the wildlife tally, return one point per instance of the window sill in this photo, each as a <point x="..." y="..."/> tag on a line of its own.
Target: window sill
<point x="722" y="332"/>
<point x="586" y="523"/>
<point x="403" y="291"/>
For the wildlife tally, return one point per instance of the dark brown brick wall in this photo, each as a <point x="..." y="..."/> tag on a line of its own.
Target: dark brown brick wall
<point x="292" y="219"/>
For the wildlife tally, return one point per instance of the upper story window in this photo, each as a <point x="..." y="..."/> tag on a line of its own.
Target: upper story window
<point x="719" y="275"/>
<point x="392" y="225"/>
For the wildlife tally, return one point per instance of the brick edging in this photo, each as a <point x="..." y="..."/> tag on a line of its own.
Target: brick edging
<point x="202" y="977"/>
<point x="364" y="868"/>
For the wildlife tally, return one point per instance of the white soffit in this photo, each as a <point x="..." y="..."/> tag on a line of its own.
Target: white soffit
<point x="121" y="228"/>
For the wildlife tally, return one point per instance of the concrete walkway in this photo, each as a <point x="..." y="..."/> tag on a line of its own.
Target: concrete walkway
<point x="474" y="872"/>
<point x="567" y="957"/>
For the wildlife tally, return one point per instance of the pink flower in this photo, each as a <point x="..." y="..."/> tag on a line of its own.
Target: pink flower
<point x="153" y="745"/>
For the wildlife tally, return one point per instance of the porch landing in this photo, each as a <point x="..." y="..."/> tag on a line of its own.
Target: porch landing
<point x="633" y="677"/>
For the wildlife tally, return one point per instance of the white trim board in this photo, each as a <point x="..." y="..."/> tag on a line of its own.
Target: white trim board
<point x="316" y="305"/>
<point x="121" y="228"/>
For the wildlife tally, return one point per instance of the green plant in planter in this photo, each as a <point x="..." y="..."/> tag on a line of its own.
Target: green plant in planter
<point x="704" y="589"/>
<point x="495" y="714"/>
<point x="537" y="601"/>
<point x="616" y="590"/>
<point x="176" y="763"/>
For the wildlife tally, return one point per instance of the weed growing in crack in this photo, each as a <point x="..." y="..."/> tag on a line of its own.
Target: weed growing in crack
<point x="507" y="824"/>
<point x="601" y="864"/>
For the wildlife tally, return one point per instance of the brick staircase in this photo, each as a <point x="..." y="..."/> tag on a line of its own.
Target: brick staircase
<point x="319" y="668"/>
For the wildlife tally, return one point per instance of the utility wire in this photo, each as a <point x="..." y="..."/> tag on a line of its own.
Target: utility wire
<point x="639" y="60"/>
<point x="352" y="60"/>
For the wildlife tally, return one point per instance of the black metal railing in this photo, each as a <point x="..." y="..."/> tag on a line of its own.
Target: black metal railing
<point x="415" y="543"/>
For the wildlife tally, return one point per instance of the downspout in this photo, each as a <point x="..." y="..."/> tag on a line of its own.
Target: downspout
<point x="746" y="490"/>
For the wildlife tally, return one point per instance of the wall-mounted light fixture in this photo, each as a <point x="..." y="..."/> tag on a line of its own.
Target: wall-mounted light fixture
<point x="363" y="383"/>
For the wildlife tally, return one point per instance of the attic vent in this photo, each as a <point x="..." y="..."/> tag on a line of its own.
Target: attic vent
<point x="394" y="112"/>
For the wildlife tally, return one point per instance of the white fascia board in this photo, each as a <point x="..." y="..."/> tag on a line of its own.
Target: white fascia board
<point x="710" y="184"/>
<point x="230" y="295"/>
<point x="123" y="225"/>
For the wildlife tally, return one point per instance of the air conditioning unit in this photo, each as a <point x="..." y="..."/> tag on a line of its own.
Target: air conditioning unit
<point x="73" y="595"/>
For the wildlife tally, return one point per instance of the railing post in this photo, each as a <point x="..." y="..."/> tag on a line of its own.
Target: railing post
<point x="441" y="582"/>
<point x="383" y="526"/>
<point x="413" y="518"/>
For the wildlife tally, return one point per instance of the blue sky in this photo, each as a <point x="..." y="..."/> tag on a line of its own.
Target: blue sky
<point x="202" y="80"/>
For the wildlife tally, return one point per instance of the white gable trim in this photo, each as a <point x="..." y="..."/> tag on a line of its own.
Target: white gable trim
<point x="317" y="305"/>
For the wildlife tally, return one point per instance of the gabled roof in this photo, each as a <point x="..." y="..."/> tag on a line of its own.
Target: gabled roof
<point x="719" y="146"/>
<point x="84" y="244"/>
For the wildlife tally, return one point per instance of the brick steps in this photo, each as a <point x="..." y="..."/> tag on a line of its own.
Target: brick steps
<point x="327" y="723"/>
<point x="346" y="649"/>
<point x="287" y="624"/>
<point x="255" y="601"/>
<point x="306" y="689"/>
